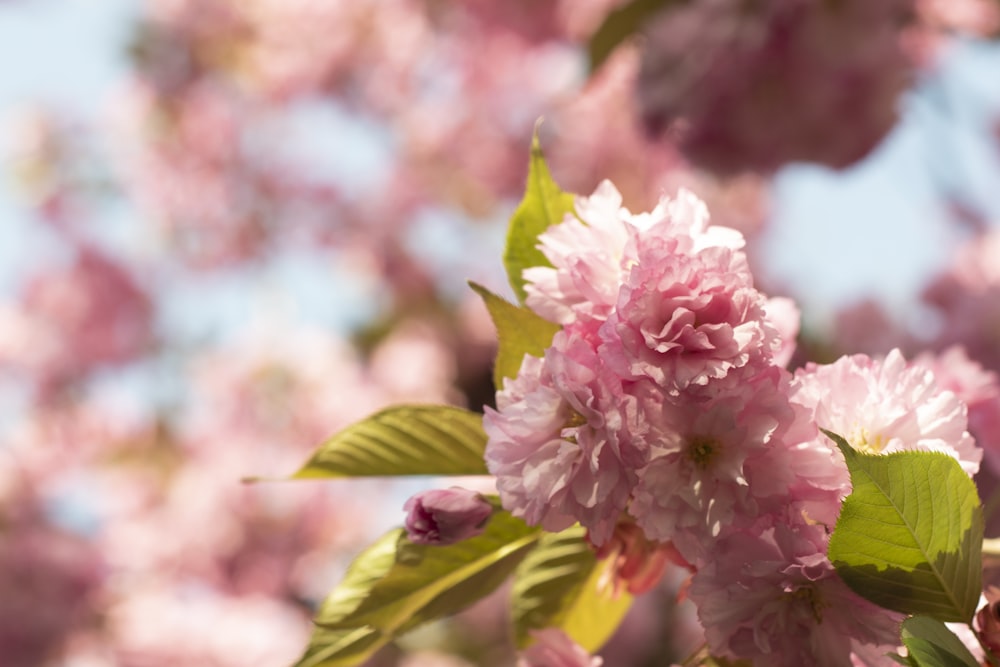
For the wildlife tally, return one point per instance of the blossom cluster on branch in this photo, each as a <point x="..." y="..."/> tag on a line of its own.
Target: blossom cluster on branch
<point x="661" y="402"/>
<point x="664" y="475"/>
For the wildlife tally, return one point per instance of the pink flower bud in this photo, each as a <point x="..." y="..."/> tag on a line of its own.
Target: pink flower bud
<point x="446" y="516"/>
<point x="988" y="626"/>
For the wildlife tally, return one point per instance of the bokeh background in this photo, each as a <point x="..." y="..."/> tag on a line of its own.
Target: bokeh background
<point x="228" y="229"/>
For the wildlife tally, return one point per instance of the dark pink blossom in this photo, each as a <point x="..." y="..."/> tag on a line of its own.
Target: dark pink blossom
<point x="987" y="622"/>
<point x="446" y="516"/>
<point x="724" y="75"/>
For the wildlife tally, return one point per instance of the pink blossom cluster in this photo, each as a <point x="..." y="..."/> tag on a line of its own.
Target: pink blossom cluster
<point x="663" y="403"/>
<point x="75" y="320"/>
<point x="722" y="75"/>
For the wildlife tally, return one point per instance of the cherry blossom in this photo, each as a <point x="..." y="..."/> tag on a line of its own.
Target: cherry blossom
<point x="883" y="406"/>
<point x="769" y="595"/>
<point x="566" y="439"/>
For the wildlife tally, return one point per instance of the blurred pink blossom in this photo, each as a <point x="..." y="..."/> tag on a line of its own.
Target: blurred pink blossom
<point x="975" y="386"/>
<point x="76" y="320"/>
<point x="49" y="578"/>
<point x="720" y="73"/>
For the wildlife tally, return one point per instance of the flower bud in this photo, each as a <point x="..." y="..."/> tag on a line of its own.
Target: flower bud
<point x="988" y="627"/>
<point x="446" y="516"/>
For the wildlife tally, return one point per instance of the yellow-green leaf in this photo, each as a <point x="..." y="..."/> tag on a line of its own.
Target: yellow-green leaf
<point x="909" y="537"/>
<point x="557" y="586"/>
<point x="404" y="440"/>
<point x="341" y="648"/>
<point x="544" y="204"/>
<point x="395" y="586"/>
<point x="520" y="331"/>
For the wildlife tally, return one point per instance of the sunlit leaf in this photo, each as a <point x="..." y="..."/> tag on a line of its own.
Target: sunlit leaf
<point x="341" y="648"/>
<point x="544" y="204"/>
<point x="395" y="585"/>
<point x="909" y="537"/>
<point x="557" y="586"/>
<point x="520" y="331"/>
<point x="931" y="644"/>
<point x="404" y="440"/>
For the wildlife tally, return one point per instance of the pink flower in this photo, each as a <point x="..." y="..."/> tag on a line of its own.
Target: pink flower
<point x="553" y="648"/>
<point x="446" y="516"/>
<point x="770" y="596"/>
<point x="566" y="439"/>
<point x="883" y="406"/>
<point x="686" y="317"/>
<point x="975" y="386"/>
<point x="785" y="317"/>
<point x="587" y="254"/>
<point x="591" y="254"/>
<point x="718" y="458"/>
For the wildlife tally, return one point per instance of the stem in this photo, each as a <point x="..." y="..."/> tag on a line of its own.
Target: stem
<point x="697" y="657"/>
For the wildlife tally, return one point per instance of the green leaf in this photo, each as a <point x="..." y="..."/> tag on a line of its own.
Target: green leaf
<point x="909" y="537"/>
<point x="619" y="25"/>
<point x="544" y="204"/>
<point x="396" y="585"/>
<point x="520" y="331"/>
<point x="404" y="440"/>
<point x="557" y="586"/>
<point x="931" y="644"/>
<point x="341" y="648"/>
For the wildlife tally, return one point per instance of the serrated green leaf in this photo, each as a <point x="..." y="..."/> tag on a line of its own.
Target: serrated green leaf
<point x="396" y="585"/>
<point x="557" y="586"/>
<point x="544" y="204"/>
<point x="619" y="25"/>
<point x="931" y="644"/>
<point x="520" y="331"/>
<point x="404" y="440"/>
<point x="909" y="537"/>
